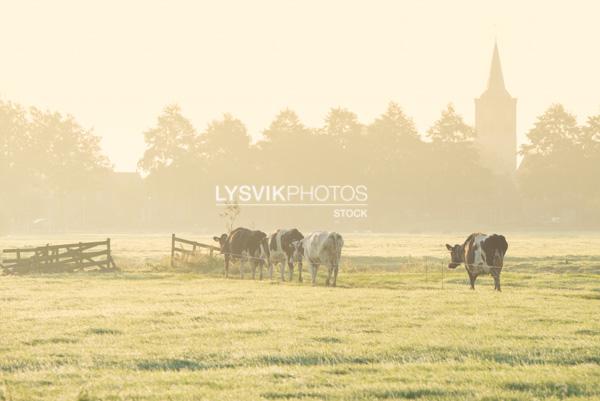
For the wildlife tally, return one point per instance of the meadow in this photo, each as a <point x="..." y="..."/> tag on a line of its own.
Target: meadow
<point x="399" y="326"/>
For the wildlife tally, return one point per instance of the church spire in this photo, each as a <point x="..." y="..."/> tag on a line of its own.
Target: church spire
<point x="496" y="122"/>
<point x="496" y="79"/>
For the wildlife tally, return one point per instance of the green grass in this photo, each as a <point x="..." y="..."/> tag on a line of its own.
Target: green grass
<point x="389" y="331"/>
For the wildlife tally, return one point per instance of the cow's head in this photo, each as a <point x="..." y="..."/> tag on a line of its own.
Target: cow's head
<point x="222" y="240"/>
<point x="456" y="256"/>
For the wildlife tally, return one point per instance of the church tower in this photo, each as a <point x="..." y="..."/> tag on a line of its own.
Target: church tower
<point x="496" y="123"/>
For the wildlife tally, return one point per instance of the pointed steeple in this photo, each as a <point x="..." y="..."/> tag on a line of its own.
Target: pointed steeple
<point x="496" y="122"/>
<point x="496" y="79"/>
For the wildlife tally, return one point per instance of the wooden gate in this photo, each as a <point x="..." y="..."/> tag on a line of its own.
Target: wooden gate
<point x="59" y="258"/>
<point x="179" y="252"/>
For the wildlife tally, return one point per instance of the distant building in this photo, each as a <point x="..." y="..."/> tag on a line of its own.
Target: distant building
<point x="496" y="123"/>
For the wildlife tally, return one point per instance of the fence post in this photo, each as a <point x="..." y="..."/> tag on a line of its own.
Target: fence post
<point x="80" y="257"/>
<point x="108" y="257"/>
<point x="442" y="264"/>
<point x="172" y="250"/>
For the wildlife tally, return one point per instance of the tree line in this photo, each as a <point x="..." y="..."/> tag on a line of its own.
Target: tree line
<point x="52" y="168"/>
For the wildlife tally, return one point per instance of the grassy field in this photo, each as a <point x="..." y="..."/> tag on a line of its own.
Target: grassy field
<point x="392" y="330"/>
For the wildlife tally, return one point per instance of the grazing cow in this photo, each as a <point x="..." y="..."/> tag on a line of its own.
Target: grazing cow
<point x="481" y="254"/>
<point x="244" y="244"/>
<point x="320" y="247"/>
<point x="281" y="251"/>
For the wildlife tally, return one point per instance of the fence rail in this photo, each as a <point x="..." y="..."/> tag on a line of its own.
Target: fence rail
<point x="58" y="258"/>
<point x="181" y="254"/>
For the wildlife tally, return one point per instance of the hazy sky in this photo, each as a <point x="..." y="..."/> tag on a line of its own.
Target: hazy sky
<point x="115" y="64"/>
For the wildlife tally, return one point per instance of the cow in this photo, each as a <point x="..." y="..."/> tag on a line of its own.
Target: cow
<point x="320" y="247"/>
<point x="281" y="251"/>
<point x="481" y="254"/>
<point x="244" y="244"/>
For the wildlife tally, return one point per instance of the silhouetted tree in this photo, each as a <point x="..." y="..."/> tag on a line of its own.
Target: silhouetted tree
<point x="451" y="128"/>
<point x="225" y="145"/>
<point x="284" y="127"/>
<point x="394" y="127"/>
<point x="14" y="142"/>
<point x="457" y="179"/>
<point x="284" y="149"/>
<point x="338" y="147"/>
<point x="393" y="153"/>
<point x="67" y="155"/>
<point x="342" y="124"/>
<point x="48" y="163"/>
<point x="170" y="141"/>
<point x="591" y="170"/>
<point x="550" y="174"/>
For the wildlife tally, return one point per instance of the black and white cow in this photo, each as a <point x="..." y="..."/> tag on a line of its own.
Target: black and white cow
<point x="281" y="250"/>
<point x="481" y="254"/>
<point x="245" y="245"/>
<point x="320" y="247"/>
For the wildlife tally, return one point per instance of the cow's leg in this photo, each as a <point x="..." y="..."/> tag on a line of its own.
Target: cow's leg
<point x="313" y="272"/>
<point x="299" y="272"/>
<point x="496" y="275"/>
<point x="226" y="266"/>
<point x="335" y="273"/>
<point x="242" y="261"/>
<point x="472" y="278"/>
<point x="253" y="265"/>
<point x="291" y="268"/>
<point x="270" y="270"/>
<point x="329" y="271"/>
<point x="260" y="274"/>
<point x="282" y="271"/>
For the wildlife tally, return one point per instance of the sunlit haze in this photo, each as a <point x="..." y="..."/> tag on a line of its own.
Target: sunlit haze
<point x="115" y="65"/>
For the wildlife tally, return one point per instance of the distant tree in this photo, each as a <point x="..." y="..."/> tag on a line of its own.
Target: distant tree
<point x="15" y="141"/>
<point x="393" y="138"/>
<point x="451" y="128"/>
<point x="591" y="135"/>
<point x="343" y="125"/>
<point x="390" y="155"/>
<point x="225" y="140"/>
<point x="46" y="158"/>
<point x="67" y="155"/>
<point x="554" y="164"/>
<point x="225" y="150"/>
<point x="15" y="171"/>
<point x="285" y="147"/>
<point x="591" y="169"/>
<point x="554" y="131"/>
<point x="286" y="124"/>
<point x="394" y="127"/>
<point x="453" y="166"/>
<point x="336" y="148"/>
<point x="341" y="121"/>
<point x="170" y="141"/>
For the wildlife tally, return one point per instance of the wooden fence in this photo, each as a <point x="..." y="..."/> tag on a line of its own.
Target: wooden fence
<point x="179" y="252"/>
<point x="58" y="258"/>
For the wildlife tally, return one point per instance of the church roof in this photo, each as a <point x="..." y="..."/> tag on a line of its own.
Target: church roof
<point x="495" y="84"/>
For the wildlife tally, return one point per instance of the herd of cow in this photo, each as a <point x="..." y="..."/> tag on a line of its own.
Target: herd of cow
<point x="480" y="253"/>
<point x="285" y="247"/>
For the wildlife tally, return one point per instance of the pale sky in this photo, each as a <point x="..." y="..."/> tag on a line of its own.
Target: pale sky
<point x="114" y="65"/>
